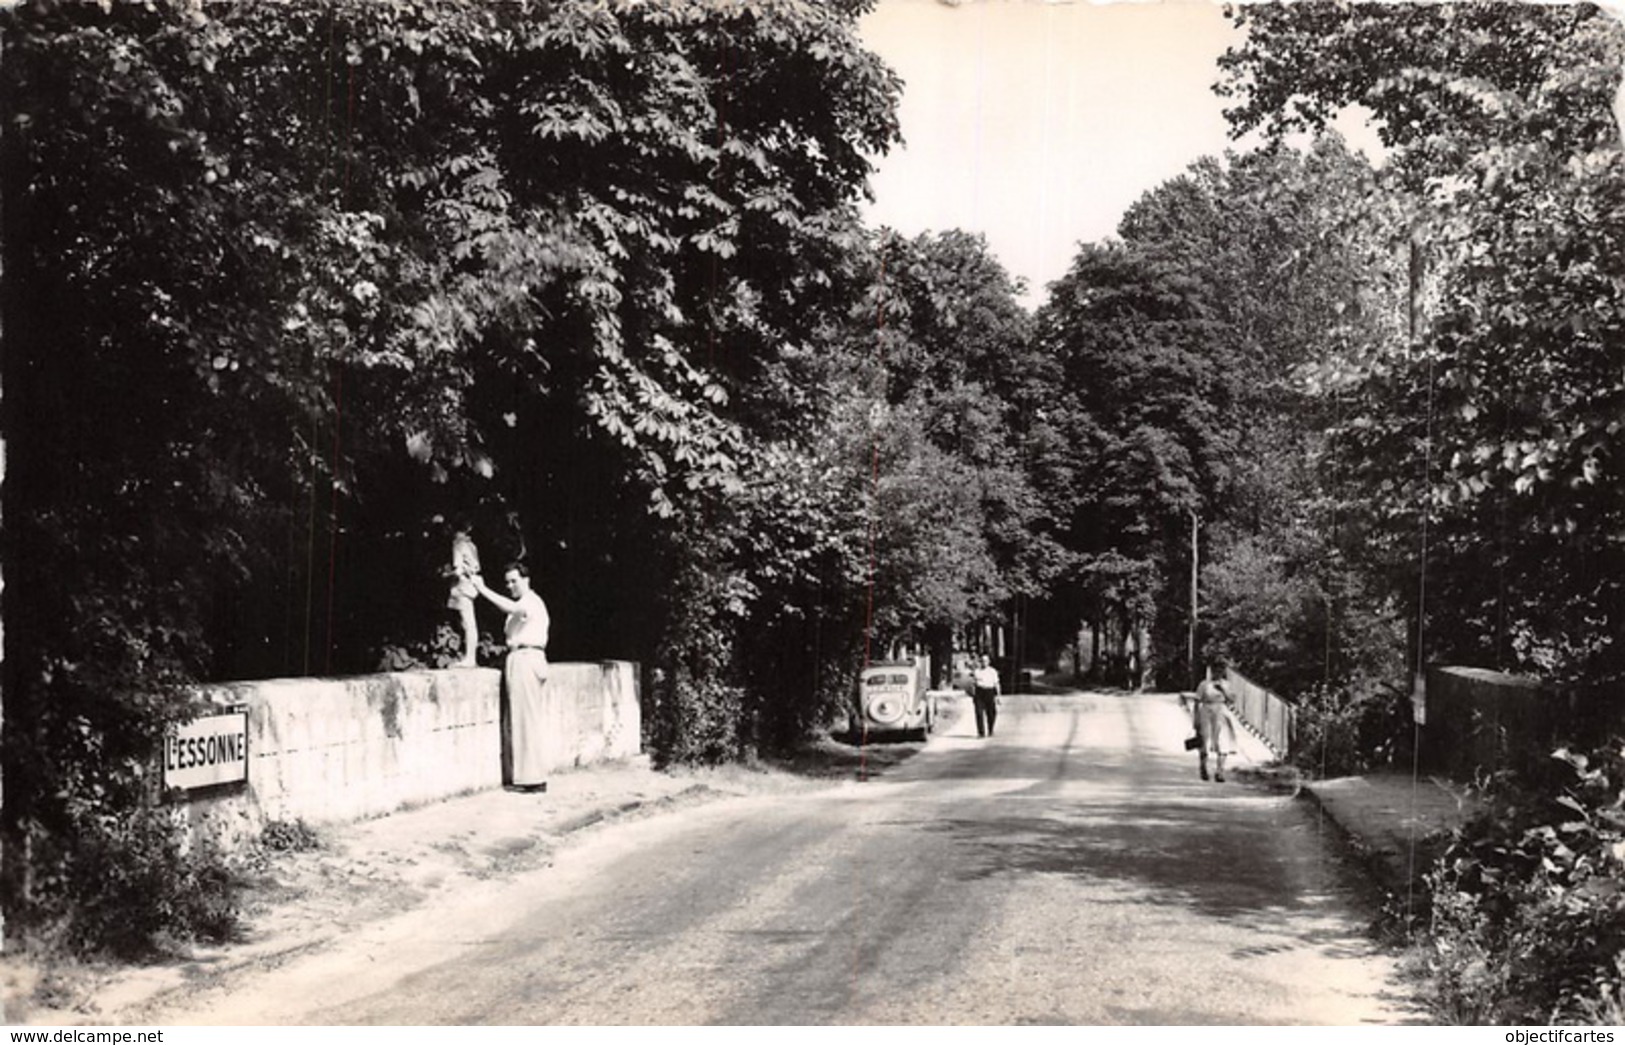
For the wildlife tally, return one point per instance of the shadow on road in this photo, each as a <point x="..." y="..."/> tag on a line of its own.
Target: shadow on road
<point x="843" y="757"/>
<point x="1135" y="816"/>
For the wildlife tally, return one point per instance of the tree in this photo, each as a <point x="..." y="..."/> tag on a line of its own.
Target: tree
<point x="899" y="508"/>
<point x="1493" y="426"/>
<point x="960" y="361"/>
<point x="1189" y="343"/>
<point x="1142" y="404"/>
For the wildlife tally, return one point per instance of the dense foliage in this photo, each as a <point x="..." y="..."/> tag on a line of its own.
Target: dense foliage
<point x="1185" y="341"/>
<point x="292" y="288"/>
<point x="285" y="284"/>
<point x="904" y="514"/>
<point x="1388" y="399"/>
<point x="1486" y="438"/>
<point x="1526" y="909"/>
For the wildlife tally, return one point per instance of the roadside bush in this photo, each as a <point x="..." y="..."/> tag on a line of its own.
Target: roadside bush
<point x="1608" y="1007"/>
<point x="1328" y="725"/>
<point x="290" y="836"/>
<point x="137" y="886"/>
<point x="1289" y="614"/>
<point x="698" y="711"/>
<point x="1526" y="909"/>
<point x="94" y="863"/>
<point x="697" y="721"/>
<point x="1346" y="729"/>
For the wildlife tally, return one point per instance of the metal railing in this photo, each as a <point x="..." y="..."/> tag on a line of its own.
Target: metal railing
<point x="1272" y="719"/>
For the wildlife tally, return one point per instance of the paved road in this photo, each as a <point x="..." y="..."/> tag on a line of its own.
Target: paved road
<point x="1072" y="869"/>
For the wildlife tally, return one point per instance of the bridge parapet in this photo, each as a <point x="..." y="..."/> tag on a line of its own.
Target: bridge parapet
<point x="329" y="750"/>
<point x="1481" y="721"/>
<point x="1270" y="717"/>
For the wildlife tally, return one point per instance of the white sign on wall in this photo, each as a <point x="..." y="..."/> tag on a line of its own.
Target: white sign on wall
<point x="207" y="751"/>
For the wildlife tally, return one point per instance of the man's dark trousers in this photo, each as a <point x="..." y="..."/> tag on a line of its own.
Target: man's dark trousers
<point x="986" y="700"/>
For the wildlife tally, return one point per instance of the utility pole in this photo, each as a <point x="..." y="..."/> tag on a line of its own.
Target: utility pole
<point x="1190" y="653"/>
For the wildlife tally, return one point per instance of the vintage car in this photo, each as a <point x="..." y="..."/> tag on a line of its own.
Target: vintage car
<point x="892" y="698"/>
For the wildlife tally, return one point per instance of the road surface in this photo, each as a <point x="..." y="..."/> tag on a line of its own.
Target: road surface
<point x="1070" y="870"/>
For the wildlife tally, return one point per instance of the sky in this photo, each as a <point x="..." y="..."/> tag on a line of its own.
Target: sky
<point x="1037" y="123"/>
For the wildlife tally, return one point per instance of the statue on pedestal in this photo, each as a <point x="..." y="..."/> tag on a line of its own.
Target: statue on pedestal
<point x="465" y="566"/>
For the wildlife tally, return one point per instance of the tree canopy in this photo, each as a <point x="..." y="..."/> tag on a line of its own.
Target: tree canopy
<point x="285" y="284"/>
<point x="1492" y="422"/>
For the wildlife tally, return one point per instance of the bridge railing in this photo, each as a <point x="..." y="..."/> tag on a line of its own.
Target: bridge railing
<point x="1271" y="718"/>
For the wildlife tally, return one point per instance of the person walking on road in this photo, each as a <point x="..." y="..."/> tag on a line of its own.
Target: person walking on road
<point x="985" y="697"/>
<point x="1215" y="733"/>
<point x="524" y="680"/>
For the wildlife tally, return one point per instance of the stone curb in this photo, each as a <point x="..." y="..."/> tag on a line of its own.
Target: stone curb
<point x="1396" y="848"/>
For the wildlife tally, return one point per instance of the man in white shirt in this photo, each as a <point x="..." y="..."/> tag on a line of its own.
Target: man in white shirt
<point x="524" y="677"/>
<point x="985" y="696"/>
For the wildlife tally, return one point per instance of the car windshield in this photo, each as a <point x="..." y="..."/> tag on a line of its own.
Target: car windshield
<point x="886" y="680"/>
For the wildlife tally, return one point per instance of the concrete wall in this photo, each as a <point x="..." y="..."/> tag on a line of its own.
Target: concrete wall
<point x="333" y="750"/>
<point x="1484" y="721"/>
<point x="593" y="712"/>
